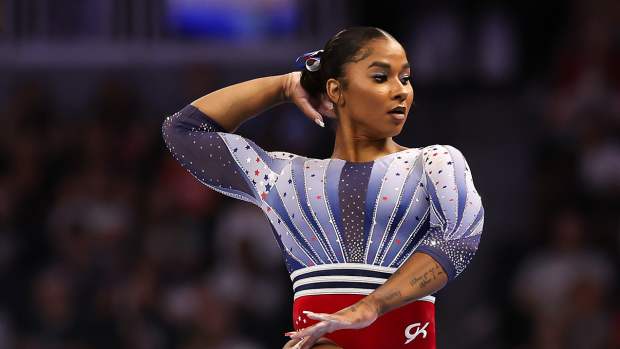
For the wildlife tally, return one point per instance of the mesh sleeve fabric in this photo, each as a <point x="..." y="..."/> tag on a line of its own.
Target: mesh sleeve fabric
<point x="225" y="162"/>
<point x="457" y="215"/>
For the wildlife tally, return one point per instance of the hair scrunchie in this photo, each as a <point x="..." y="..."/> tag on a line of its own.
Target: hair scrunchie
<point x="309" y="60"/>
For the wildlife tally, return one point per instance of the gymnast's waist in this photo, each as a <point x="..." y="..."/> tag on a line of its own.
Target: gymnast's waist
<point x="341" y="278"/>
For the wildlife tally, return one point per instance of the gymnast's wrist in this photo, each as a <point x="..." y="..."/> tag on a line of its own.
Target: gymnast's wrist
<point x="366" y="309"/>
<point x="287" y="85"/>
<point x="376" y="304"/>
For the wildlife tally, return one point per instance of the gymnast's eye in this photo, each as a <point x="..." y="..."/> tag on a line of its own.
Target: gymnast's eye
<point x="380" y="77"/>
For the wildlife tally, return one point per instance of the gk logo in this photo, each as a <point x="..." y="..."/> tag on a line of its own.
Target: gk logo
<point x="419" y="330"/>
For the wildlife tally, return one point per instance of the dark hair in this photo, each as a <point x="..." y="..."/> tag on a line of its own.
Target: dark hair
<point x="342" y="48"/>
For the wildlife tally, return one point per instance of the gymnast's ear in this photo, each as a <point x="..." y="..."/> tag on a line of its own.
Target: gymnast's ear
<point x="333" y="89"/>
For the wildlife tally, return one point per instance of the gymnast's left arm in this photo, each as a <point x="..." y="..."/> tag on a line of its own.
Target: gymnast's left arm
<point x="457" y="218"/>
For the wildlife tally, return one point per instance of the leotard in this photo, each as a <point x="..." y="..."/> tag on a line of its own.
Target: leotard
<point x="344" y="227"/>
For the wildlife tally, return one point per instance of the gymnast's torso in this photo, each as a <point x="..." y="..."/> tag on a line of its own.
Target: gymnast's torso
<point x="343" y="227"/>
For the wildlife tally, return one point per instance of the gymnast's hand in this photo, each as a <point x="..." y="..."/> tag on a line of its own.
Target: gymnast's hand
<point x="311" y="107"/>
<point x="356" y="316"/>
<point x="322" y="343"/>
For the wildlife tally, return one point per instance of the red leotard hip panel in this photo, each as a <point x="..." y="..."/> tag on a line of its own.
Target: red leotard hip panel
<point x="411" y="326"/>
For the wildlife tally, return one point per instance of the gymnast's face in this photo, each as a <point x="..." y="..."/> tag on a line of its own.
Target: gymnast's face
<point x="376" y="82"/>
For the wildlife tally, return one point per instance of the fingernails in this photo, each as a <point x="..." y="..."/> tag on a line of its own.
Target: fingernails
<point x="319" y="122"/>
<point x="307" y="312"/>
<point x="288" y="334"/>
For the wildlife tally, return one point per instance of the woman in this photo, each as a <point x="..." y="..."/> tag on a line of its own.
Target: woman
<point x="368" y="234"/>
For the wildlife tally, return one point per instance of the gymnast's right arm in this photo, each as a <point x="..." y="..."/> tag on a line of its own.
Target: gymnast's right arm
<point x="231" y="106"/>
<point x="235" y="104"/>
<point x="199" y="135"/>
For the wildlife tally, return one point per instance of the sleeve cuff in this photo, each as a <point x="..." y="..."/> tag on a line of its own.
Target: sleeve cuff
<point x="441" y="258"/>
<point x="203" y="118"/>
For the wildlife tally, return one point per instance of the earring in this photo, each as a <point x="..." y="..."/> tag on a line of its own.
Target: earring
<point x="330" y="106"/>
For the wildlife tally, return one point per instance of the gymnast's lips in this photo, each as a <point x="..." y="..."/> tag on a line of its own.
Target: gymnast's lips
<point x="398" y="112"/>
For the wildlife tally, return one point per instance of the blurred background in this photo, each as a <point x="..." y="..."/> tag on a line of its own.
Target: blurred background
<point x="106" y="242"/>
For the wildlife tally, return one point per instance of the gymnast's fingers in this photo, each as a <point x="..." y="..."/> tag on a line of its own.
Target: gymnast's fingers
<point x="307" y="108"/>
<point x="291" y="344"/>
<point x="310" y="341"/>
<point x="318" y="328"/>
<point x="300" y="343"/>
<point x="320" y="316"/>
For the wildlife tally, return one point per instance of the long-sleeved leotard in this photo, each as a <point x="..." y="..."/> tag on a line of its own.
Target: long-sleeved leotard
<point x="343" y="227"/>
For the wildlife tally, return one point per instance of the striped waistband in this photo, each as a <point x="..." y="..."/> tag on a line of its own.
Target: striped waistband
<point x="341" y="278"/>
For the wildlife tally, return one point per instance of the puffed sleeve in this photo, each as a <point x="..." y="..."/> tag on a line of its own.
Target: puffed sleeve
<point x="225" y="162"/>
<point x="457" y="215"/>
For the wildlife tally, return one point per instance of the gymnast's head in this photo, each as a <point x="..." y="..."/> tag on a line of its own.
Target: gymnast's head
<point x="365" y="73"/>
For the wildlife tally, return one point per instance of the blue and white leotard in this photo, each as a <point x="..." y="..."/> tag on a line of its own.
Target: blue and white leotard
<point x="343" y="227"/>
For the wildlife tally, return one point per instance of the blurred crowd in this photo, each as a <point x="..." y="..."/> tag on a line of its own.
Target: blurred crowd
<point x="563" y="292"/>
<point x="106" y="242"/>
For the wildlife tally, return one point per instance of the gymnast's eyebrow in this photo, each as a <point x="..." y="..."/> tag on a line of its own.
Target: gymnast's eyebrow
<point x="386" y="65"/>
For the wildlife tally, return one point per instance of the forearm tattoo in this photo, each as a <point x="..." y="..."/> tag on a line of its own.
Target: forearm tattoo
<point x="355" y="307"/>
<point x="429" y="275"/>
<point x="418" y="285"/>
